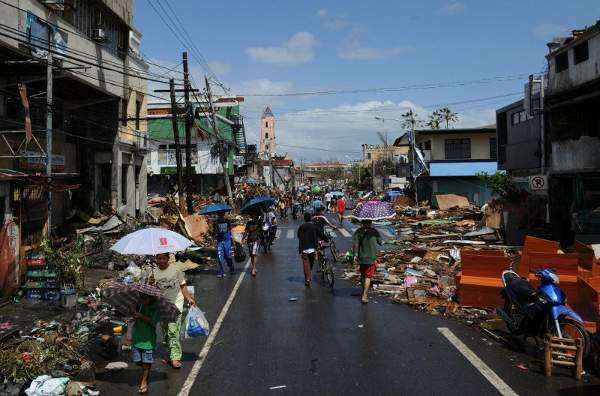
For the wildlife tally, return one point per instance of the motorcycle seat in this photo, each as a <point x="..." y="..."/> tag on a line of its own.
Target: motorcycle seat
<point x="522" y="289"/>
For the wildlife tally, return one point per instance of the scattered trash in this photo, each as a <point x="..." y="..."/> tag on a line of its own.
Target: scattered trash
<point x="116" y="366"/>
<point x="522" y="367"/>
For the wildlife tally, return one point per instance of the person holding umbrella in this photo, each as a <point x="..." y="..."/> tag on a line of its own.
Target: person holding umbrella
<point x="144" y="337"/>
<point x="165" y="276"/>
<point x="222" y="230"/>
<point x="223" y="233"/>
<point x="366" y="241"/>
<point x="252" y="236"/>
<point x="170" y="280"/>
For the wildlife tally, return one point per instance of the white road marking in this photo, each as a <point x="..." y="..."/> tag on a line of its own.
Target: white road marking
<point x="191" y="378"/>
<point x="483" y="368"/>
<point x="290" y="234"/>
<point x="278" y="233"/>
<point x="278" y="387"/>
<point x="344" y="232"/>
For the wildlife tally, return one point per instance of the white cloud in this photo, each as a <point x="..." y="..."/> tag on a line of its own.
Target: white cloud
<point x="352" y="48"/>
<point x="333" y="22"/>
<point x="547" y="31"/>
<point x="219" y="68"/>
<point x="298" y="49"/>
<point x="454" y="7"/>
<point x="344" y="128"/>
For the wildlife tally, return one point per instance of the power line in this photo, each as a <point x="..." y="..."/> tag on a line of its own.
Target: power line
<point x="318" y="149"/>
<point x="183" y="37"/>
<point x="316" y="113"/>
<point x="66" y="56"/>
<point x="82" y="35"/>
<point x="424" y="86"/>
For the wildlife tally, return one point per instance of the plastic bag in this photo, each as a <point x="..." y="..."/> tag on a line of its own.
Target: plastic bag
<point x="196" y="323"/>
<point x="45" y="385"/>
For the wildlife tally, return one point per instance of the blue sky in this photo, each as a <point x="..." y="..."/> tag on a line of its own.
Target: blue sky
<point x="286" y="46"/>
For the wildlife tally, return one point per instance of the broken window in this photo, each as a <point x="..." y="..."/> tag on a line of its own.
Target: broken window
<point x="138" y="110"/>
<point x="457" y="148"/>
<point x="581" y="53"/>
<point x="561" y="62"/>
<point x="124" y="114"/>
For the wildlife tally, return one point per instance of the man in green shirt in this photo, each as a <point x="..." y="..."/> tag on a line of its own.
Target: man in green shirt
<point x="366" y="242"/>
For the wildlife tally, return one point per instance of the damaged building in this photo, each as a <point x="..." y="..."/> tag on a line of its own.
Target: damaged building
<point x="573" y="134"/>
<point x="97" y="108"/>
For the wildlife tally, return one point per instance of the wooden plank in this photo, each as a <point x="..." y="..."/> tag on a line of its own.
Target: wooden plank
<point x="563" y="363"/>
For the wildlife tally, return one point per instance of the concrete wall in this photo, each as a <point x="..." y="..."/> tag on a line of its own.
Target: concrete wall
<point x="123" y="9"/>
<point x="576" y="74"/>
<point x="95" y="53"/>
<point x="522" y="141"/>
<point x="576" y="155"/>
<point x="206" y="164"/>
<point x="480" y="144"/>
<point x="379" y="152"/>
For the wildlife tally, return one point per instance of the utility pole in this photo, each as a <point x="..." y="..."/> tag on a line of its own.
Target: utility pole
<point x="224" y="163"/>
<point x="177" y="146"/>
<point x="188" y="134"/>
<point x="49" y="109"/>
<point x="413" y="158"/>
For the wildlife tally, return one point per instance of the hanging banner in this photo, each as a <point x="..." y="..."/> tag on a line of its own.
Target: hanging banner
<point x="25" y="102"/>
<point x="37" y="35"/>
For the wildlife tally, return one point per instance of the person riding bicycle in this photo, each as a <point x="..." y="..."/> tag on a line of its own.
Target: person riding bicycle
<point x="321" y="221"/>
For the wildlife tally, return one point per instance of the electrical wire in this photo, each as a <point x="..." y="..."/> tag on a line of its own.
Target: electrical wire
<point x="55" y="26"/>
<point x="71" y="57"/>
<point x="185" y="39"/>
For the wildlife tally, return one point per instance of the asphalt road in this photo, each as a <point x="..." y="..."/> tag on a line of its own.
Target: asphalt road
<point x="330" y="344"/>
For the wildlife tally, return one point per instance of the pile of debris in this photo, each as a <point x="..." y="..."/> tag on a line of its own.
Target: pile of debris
<point x="421" y="266"/>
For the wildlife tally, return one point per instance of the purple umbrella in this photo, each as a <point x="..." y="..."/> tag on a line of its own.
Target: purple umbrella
<point x="374" y="210"/>
<point x="126" y="299"/>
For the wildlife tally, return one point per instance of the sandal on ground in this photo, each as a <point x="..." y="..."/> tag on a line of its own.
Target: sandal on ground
<point x="142" y="390"/>
<point x="364" y="300"/>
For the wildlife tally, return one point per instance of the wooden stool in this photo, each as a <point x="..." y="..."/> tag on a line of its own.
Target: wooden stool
<point x="563" y="352"/>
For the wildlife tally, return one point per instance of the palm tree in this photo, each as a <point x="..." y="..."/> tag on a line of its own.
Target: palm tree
<point x="448" y="116"/>
<point x="410" y="120"/>
<point x="435" y="120"/>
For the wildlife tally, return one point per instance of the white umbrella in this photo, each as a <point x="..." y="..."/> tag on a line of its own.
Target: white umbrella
<point x="152" y="241"/>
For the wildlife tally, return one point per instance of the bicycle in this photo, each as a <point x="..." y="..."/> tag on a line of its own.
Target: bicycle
<point x="331" y="245"/>
<point x="326" y="267"/>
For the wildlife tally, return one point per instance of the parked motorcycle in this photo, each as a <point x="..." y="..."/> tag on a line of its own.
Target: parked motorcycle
<point x="535" y="313"/>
